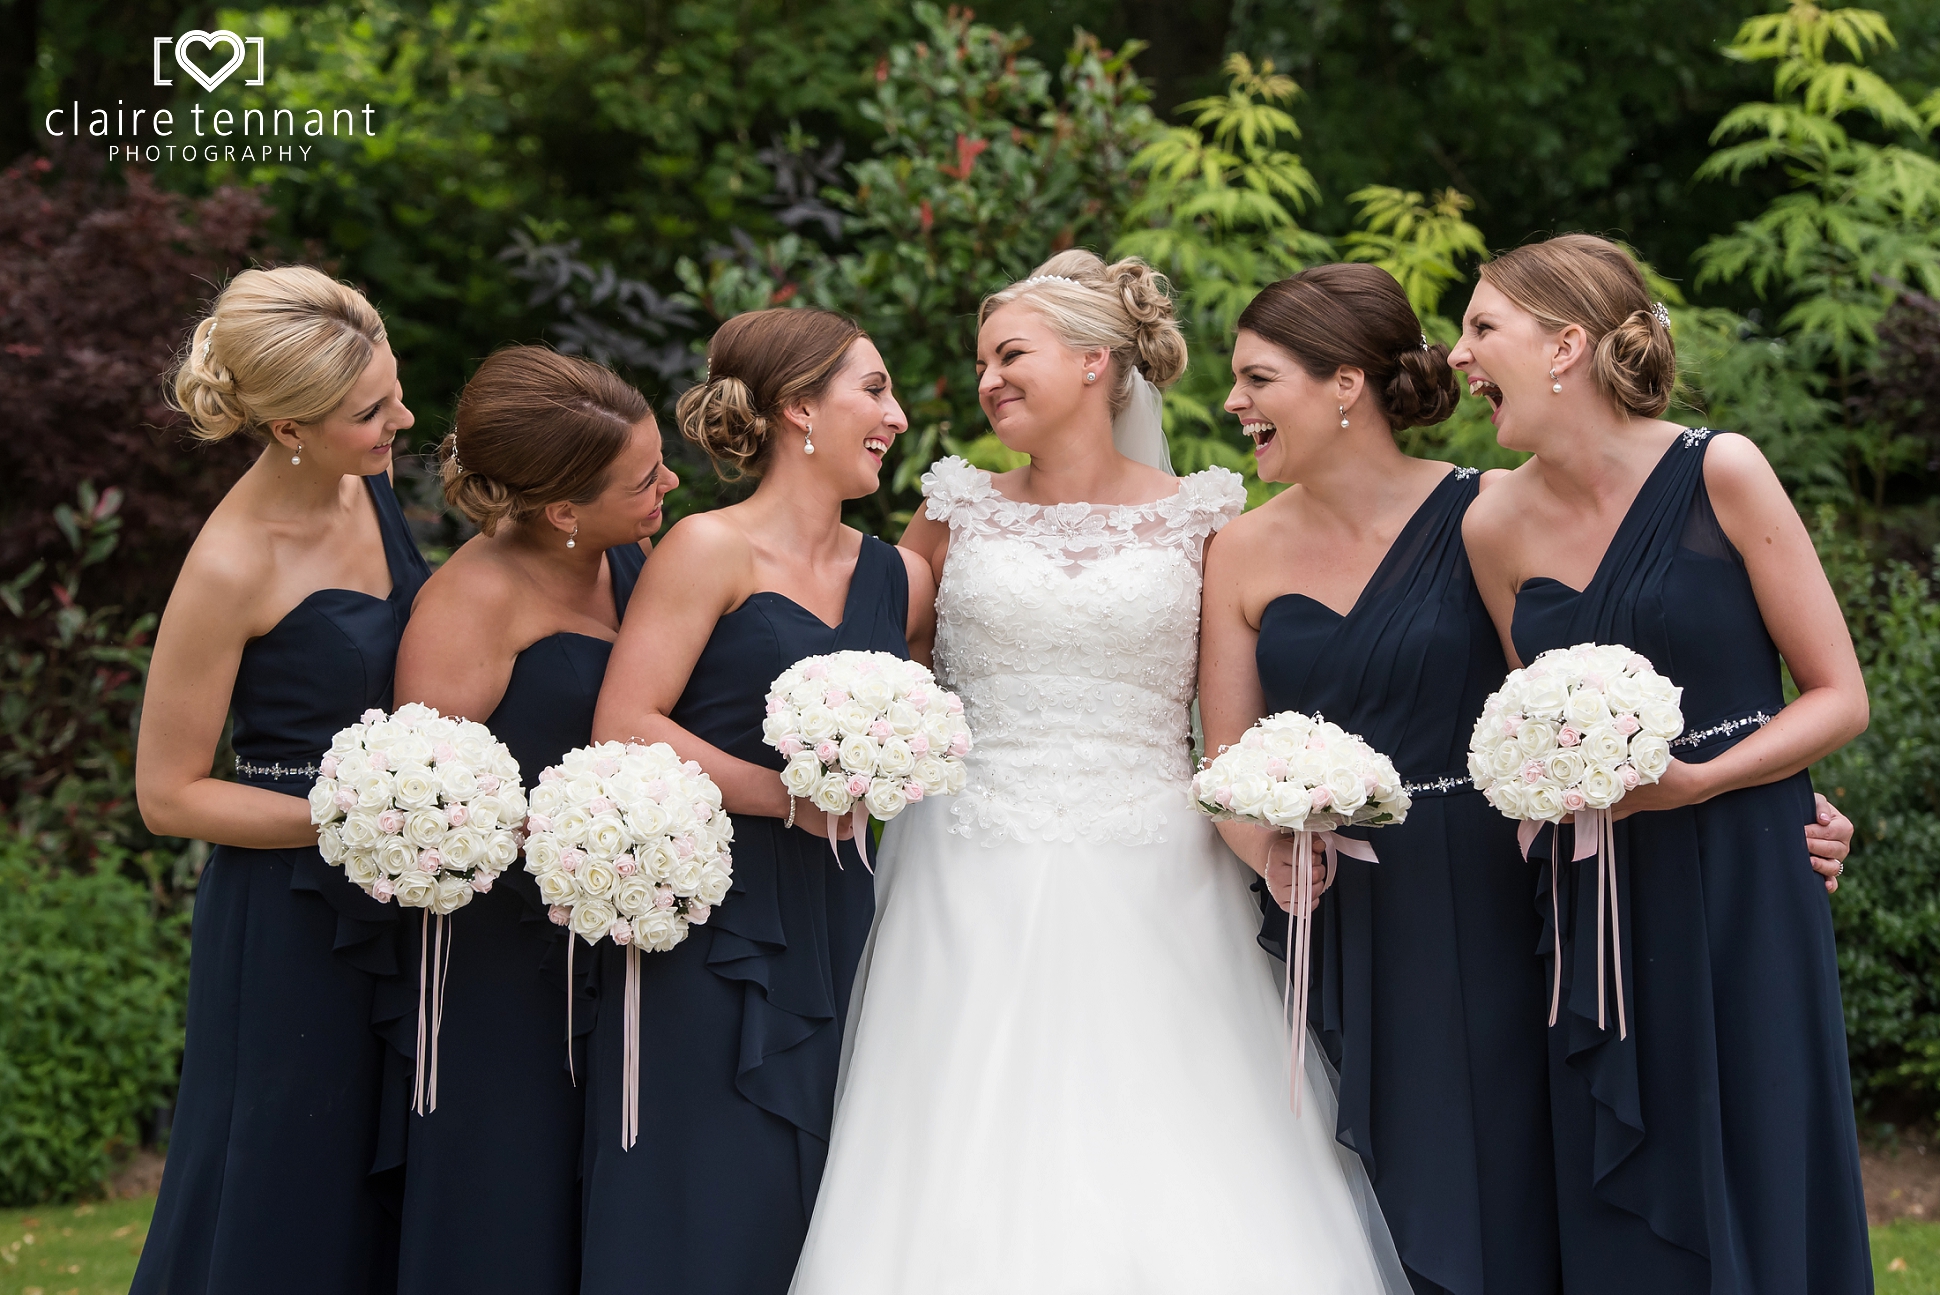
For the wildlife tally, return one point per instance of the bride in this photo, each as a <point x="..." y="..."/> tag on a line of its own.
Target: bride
<point x="1066" y="1067"/>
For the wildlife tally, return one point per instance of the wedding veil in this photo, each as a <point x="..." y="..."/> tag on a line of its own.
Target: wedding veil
<point x="1139" y="430"/>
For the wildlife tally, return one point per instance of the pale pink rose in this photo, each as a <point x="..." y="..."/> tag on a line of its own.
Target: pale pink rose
<point x="663" y="898"/>
<point x="559" y="914"/>
<point x="571" y="857"/>
<point x="683" y="847"/>
<point x="390" y="822"/>
<point x="1537" y="671"/>
<point x="346" y="798"/>
<point x="380" y="761"/>
<point x="1276" y="767"/>
<point x="826" y="752"/>
<point x="1573" y="800"/>
<point x="482" y="882"/>
<point x="699" y="913"/>
<point x="912" y="792"/>
<point x="1568" y="736"/>
<point x="1321" y="797"/>
<point x="774" y="705"/>
<point x="599" y="805"/>
<point x="959" y="744"/>
<point x="381" y="890"/>
<point x="1369" y="782"/>
<point x="692" y="768"/>
<point x="488" y="783"/>
<point x="1637" y="664"/>
<point x="606" y="766"/>
<point x="328" y="766"/>
<point x="1316" y="743"/>
<point x="1593" y="682"/>
<point x="621" y="932"/>
<point x="917" y="696"/>
<point x="919" y="745"/>
<point x="790" y="747"/>
<point x="835" y="697"/>
<point x="858" y="785"/>
<point x="1510" y="723"/>
<point x="1626" y="724"/>
<point x="538" y="823"/>
<point x="882" y="728"/>
<point x="550" y="775"/>
<point x="1533" y="771"/>
<point x="656" y="789"/>
<point x="703" y="811"/>
<point x="444" y="753"/>
<point x="370" y="716"/>
<point x="429" y="861"/>
<point x="954" y="704"/>
<point x="624" y="865"/>
<point x="1629" y="777"/>
<point x="457" y="815"/>
<point x="871" y="666"/>
<point x="815" y="670"/>
<point x="1223" y="798"/>
<point x="636" y="748"/>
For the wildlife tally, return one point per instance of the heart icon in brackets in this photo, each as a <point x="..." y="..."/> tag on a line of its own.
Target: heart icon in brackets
<point x="209" y="40"/>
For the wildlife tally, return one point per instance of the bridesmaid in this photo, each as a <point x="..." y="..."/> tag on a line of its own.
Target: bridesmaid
<point x="559" y="464"/>
<point x="286" y="616"/>
<point x="741" y="1026"/>
<point x="1713" y="1148"/>
<point x="1427" y="995"/>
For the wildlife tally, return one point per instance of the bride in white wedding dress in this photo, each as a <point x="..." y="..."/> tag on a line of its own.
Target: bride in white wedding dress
<point x="1066" y="1070"/>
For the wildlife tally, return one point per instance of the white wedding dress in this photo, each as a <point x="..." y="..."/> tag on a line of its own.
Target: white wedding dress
<point x="1066" y="1071"/>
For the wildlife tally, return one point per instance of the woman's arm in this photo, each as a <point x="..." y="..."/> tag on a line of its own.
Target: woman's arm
<point x="921" y="630"/>
<point x="191" y="678"/>
<point x="929" y="540"/>
<point x="700" y="572"/>
<point x="1803" y="618"/>
<point x="1489" y="537"/>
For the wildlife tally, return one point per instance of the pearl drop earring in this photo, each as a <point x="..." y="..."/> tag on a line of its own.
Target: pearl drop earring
<point x="1554" y="385"/>
<point x="1342" y="411"/>
<point x="1091" y="377"/>
<point x="298" y="456"/>
<point x="572" y="541"/>
<point x="808" y="430"/>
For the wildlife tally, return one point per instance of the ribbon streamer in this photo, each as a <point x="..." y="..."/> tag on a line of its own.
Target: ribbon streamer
<point x="571" y="940"/>
<point x="859" y="827"/>
<point x="630" y="1053"/>
<point x="434" y="964"/>
<point x="1596" y="835"/>
<point x="1293" y="1003"/>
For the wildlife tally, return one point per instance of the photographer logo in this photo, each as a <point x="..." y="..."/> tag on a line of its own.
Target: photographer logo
<point x="208" y="41"/>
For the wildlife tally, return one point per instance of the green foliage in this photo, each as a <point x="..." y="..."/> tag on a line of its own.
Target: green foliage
<point x="96" y="992"/>
<point x="69" y="691"/>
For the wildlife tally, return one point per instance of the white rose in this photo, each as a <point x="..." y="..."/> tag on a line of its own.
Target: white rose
<point x="646" y="818"/>
<point x="457" y="782"/>
<point x="1603" y="745"/>
<point x="1587" y="707"/>
<point x="931" y="773"/>
<point x="323" y="801"/>
<point x="485" y="812"/>
<point x="1509" y="799"/>
<point x="474" y="746"/>
<point x="396" y="856"/>
<point x="1565" y="767"/>
<point x="1249" y="793"/>
<point x="541" y="853"/>
<point x="1625" y="692"/>
<point x="330" y="843"/>
<point x="597" y="880"/>
<point x="801" y="774"/>
<point x="1651" y="755"/>
<point x="1542" y="800"/>
<point x="1288" y="805"/>
<point x="831" y="794"/>
<point x="374" y="790"/>
<point x="885" y="799"/>
<point x="816" y="723"/>
<point x="501" y="848"/>
<point x="656" y="860"/>
<point x="569" y="825"/>
<point x="779" y="725"/>
<point x="1600" y="787"/>
<point x="904" y="718"/>
<point x="1347" y="788"/>
<point x="685" y="877"/>
<point x="659" y="929"/>
<point x="606" y="837"/>
<point x="1657" y="688"/>
<point x="1536" y="738"/>
<point x="1544" y="697"/>
<point x="634" y="895"/>
<point x="558" y="887"/>
<point x="548" y="797"/>
<point x="958" y="775"/>
<point x="875" y="691"/>
<point x="413" y="889"/>
<point x="1660" y="719"/>
<point x="859" y="754"/>
<point x="450" y="893"/>
<point x="713" y="886"/>
<point x="413" y="788"/>
<point x="894" y="758"/>
<point x="1481" y="767"/>
<point x="362" y="869"/>
<point x="360" y="830"/>
<point x="424" y="828"/>
<point x="591" y="918"/>
<point x="1308" y="765"/>
<point x="463" y="848"/>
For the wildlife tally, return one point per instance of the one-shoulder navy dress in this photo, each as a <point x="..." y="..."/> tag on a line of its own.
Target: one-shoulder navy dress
<point x="741" y="1025"/>
<point x="1427" y="992"/>
<point x="504" y="1143"/>
<point x="268" y="1181"/>
<point x="1714" y="1149"/>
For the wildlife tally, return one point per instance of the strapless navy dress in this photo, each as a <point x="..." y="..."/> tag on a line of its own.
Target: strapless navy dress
<point x="504" y="1142"/>
<point x="741" y="1025"/>
<point x="1714" y="1149"/>
<point x="268" y="1182"/>
<point x="1427" y="994"/>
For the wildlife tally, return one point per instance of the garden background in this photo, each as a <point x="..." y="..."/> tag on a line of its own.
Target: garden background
<point x="616" y="178"/>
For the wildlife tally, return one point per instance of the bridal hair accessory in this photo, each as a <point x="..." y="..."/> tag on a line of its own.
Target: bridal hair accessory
<point x="1050" y="278"/>
<point x="1424" y="341"/>
<point x="865" y="733"/>
<point x="1303" y="775"/>
<point x="207" y="338"/>
<point x="424" y="809"/>
<point x="629" y="843"/>
<point x="1661" y="313"/>
<point x="1569" y="734"/>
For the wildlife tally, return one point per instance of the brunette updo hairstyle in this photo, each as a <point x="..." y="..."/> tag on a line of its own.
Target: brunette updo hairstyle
<point x="1356" y="316"/>
<point x="1124" y="307"/>
<point x="535" y="427"/>
<point x="287" y="343"/>
<point x="1589" y="281"/>
<point x="758" y="364"/>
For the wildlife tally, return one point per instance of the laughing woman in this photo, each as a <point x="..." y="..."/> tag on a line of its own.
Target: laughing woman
<point x="558" y="463"/>
<point x="1711" y="1146"/>
<point x="741" y="1025"/>
<point x="287" y="616"/>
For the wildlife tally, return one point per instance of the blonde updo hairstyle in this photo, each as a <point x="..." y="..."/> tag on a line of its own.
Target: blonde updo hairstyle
<point x="1591" y="282"/>
<point x="1123" y="307"/>
<point x="758" y="364"/>
<point x="287" y="343"/>
<point x="533" y="428"/>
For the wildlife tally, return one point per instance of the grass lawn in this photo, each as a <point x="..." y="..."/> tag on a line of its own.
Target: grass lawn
<point x="72" y="1249"/>
<point x="91" y="1250"/>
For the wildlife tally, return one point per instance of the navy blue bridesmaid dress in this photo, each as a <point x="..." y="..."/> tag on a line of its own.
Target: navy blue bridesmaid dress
<point x="268" y="1182"/>
<point x="1714" y="1149"/>
<point x="504" y="1141"/>
<point x="741" y="1025"/>
<point x="1427" y="993"/>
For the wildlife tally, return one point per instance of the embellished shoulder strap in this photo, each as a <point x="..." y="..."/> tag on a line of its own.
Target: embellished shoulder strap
<point x="957" y="493"/>
<point x="1206" y="501"/>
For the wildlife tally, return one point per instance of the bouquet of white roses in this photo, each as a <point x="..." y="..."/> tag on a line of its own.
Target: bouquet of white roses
<point x="1304" y="775"/>
<point x="426" y="810"/>
<point x="628" y="842"/>
<point x="865" y="732"/>
<point x="1568" y="735"/>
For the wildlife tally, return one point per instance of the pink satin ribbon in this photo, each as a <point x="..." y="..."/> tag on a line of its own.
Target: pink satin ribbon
<point x="1596" y="834"/>
<point x="434" y="964"/>
<point x="571" y="940"/>
<point x="1293" y="1003"/>
<point x="630" y="1053"/>
<point x="859" y="826"/>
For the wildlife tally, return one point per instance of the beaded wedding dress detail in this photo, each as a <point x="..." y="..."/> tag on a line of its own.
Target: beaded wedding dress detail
<point x="1071" y="632"/>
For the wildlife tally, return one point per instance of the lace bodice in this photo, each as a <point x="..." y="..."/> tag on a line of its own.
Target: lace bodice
<point x="1071" y="631"/>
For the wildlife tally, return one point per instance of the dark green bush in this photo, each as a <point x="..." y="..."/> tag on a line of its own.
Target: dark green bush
<point x="96" y="987"/>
